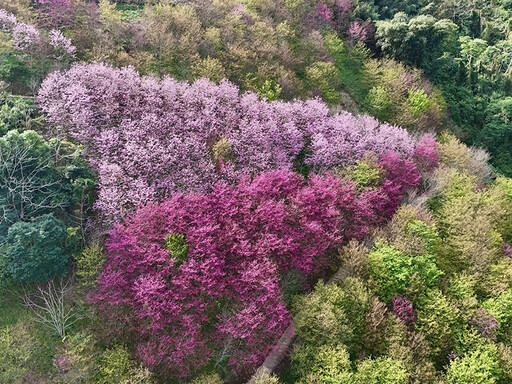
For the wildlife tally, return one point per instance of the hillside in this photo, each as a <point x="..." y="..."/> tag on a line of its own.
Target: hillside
<point x="189" y="189"/>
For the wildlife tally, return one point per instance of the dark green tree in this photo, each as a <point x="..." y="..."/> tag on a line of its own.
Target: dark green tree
<point x="36" y="250"/>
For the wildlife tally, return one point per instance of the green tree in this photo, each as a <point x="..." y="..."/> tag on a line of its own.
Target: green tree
<point x="418" y="40"/>
<point x="393" y="270"/>
<point x="480" y="366"/>
<point x="36" y="249"/>
<point x="324" y="77"/>
<point x="382" y="370"/>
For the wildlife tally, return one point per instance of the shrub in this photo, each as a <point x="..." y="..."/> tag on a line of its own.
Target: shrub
<point x="375" y="325"/>
<point x="500" y="307"/>
<point x="497" y="279"/>
<point x="403" y="96"/>
<point x="412" y="231"/>
<point x="469" y="239"/>
<point x="353" y="257"/>
<point x="17" y="113"/>
<point x="365" y="173"/>
<point x="210" y="68"/>
<point x="403" y="309"/>
<point x="76" y="360"/>
<point x="485" y="324"/>
<point x="380" y="103"/>
<point x="332" y="314"/>
<point x="213" y="378"/>
<point x="327" y="363"/>
<point x="455" y="154"/>
<point x="418" y="101"/>
<point x="266" y="378"/>
<point x="427" y="153"/>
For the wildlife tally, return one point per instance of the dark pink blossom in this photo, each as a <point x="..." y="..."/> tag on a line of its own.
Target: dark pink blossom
<point x="427" y="153"/>
<point x="223" y="297"/>
<point x="403" y="309"/>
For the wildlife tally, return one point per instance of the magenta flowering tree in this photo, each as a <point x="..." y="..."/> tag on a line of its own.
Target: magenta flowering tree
<point x="55" y="13"/>
<point x="403" y="309"/>
<point x="360" y="31"/>
<point x="195" y="279"/>
<point x="427" y="153"/>
<point x="324" y="12"/>
<point x="486" y="324"/>
<point x="148" y="138"/>
<point x="507" y="249"/>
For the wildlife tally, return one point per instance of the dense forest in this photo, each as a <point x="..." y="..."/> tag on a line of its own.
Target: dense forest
<point x="256" y="191"/>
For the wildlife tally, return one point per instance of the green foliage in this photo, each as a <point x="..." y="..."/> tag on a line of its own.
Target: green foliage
<point x="39" y="177"/>
<point x="383" y="370"/>
<point x="177" y="246"/>
<point x="480" y="366"/>
<point x="89" y="264"/>
<point x="324" y="77"/>
<point x="330" y="364"/>
<point x="211" y="68"/>
<point x="467" y="227"/>
<point x="350" y="64"/>
<point x="497" y="132"/>
<point x="264" y="378"/>
<point x="17" y="113"/>
<point x="418" y="101"/>
<point x="213" y="378"/>
<point x="392" y="270"/>
<point x="36" y="250"/>
<point x="427" y="233"/>
<point x="415" y="40"/>
<point x="436" y="319"/>
<point x="269" y="90"/>
<point x="16" y="352"/>
<point x="497" y="279"/>
<point x="403" y="96"/>
<point x="76" y="359"/>
<point x="380" y="103"/>
<point x="501" y="308"/>
<point x="114" y="366"/>
<point x="333" y="314"/>
<point x="365" y="173"/>
<point x="462" y="290"/>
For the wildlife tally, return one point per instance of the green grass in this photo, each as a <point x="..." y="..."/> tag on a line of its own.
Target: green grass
<point x="12" y="311"/>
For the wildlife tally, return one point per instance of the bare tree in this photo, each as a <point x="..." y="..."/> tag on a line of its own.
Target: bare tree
<point x="50" y="305"/>
<point x="27" y="191"/>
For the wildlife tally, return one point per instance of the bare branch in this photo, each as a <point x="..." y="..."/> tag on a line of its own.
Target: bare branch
<point x="50" y="307"/>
